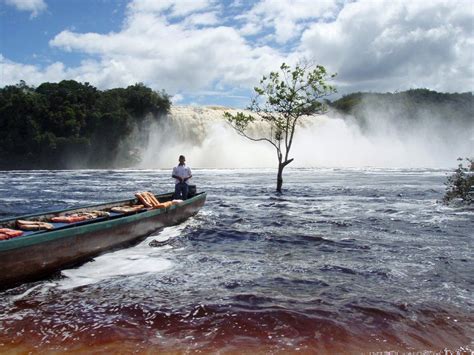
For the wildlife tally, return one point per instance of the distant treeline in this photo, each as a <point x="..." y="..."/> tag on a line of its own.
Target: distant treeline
<point x="73" y="125"/>
<point x="410" y="105"/>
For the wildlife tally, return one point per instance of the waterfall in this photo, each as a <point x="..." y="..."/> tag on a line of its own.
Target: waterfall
<point x="332" y="140"/>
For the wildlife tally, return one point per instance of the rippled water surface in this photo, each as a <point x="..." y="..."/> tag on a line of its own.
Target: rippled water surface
<point x="345" y="261"/>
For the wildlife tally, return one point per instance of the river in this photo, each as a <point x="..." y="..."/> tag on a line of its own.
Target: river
<point x="344" y="261"/>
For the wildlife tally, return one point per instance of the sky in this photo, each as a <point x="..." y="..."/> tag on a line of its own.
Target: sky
<point x="209" y="52"/>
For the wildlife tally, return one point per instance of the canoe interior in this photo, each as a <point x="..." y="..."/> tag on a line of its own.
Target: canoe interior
<point x="45" y="217"/>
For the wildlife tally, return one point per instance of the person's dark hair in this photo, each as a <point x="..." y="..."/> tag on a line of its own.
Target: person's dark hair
<point x="182" y="157"/>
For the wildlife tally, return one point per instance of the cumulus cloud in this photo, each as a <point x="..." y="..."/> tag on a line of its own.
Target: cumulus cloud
<point x="33" y="6"/>
<point x="286" y="19"/>
<point x="203" y="48"/>
<point x="387" y="46"/>
<point x="189" y="55"/>
<point x="12" y="73"/>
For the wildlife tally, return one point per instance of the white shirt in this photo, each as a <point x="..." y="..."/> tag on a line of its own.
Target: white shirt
<point x="181" y="171"/>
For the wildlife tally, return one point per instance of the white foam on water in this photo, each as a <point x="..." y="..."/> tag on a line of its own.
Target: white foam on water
<point x="37" y="289"/>
<point x="139" y="259"/>
<point x="112" y="265"/>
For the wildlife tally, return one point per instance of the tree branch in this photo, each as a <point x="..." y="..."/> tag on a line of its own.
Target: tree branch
<point x="243" y="134"/>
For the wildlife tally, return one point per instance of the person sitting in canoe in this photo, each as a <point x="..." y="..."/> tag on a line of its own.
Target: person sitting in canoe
<point x="181" y="174"/>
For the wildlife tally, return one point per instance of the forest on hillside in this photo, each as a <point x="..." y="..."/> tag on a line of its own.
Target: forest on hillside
<point x="74" y="125"/>
<point x="411" y="105"/>
<point x="69" y="125"/>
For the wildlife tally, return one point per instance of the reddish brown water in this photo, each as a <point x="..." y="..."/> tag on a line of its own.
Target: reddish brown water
<point x="53" y="325"/>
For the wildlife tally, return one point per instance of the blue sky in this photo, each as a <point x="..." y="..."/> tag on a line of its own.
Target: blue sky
<point x="25" y="37"/>
<point x="207" y="52"/>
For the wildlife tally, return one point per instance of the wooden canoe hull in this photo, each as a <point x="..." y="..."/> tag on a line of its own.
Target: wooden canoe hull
<point x="47" y="252"/>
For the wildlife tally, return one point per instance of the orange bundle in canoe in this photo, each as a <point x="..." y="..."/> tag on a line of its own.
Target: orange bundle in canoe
<point x="7" y="233"/>
<point x="149" y="200"/>
<point x="69" y="219"/>
<point x="127" y="209"/>
<point x="28" y="225"/>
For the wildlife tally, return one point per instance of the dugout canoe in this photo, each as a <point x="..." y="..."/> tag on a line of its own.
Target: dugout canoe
<point x="37" y="254"/>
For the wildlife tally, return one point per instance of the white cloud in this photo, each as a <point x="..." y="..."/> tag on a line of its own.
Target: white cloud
<point x="205" y="19"/>
<point x="33" y="6"/>
<point x="12" y="73"/>
<point x="287" y="18"/>
<point x="194" y="48"/>
<point x="387" y="46"/>
<point x="180" y="57"/>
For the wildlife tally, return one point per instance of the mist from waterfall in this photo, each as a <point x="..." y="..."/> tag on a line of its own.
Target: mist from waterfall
<point x="332" y="140"/>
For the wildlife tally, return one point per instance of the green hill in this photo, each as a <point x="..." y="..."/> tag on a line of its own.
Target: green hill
<point x="411" y="105"/>
<point x="73" y="125"/>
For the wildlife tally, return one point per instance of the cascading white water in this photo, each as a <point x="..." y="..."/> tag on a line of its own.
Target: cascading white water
<point x="205" y="138"/>
<point x="208" y="141"/>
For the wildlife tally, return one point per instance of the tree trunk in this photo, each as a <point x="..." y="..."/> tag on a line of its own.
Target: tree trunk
<point x="281" y="166"/>
<point x="280" y="176"/>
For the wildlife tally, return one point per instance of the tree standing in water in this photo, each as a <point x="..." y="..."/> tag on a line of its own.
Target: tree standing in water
<point x="281" y="100"/>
